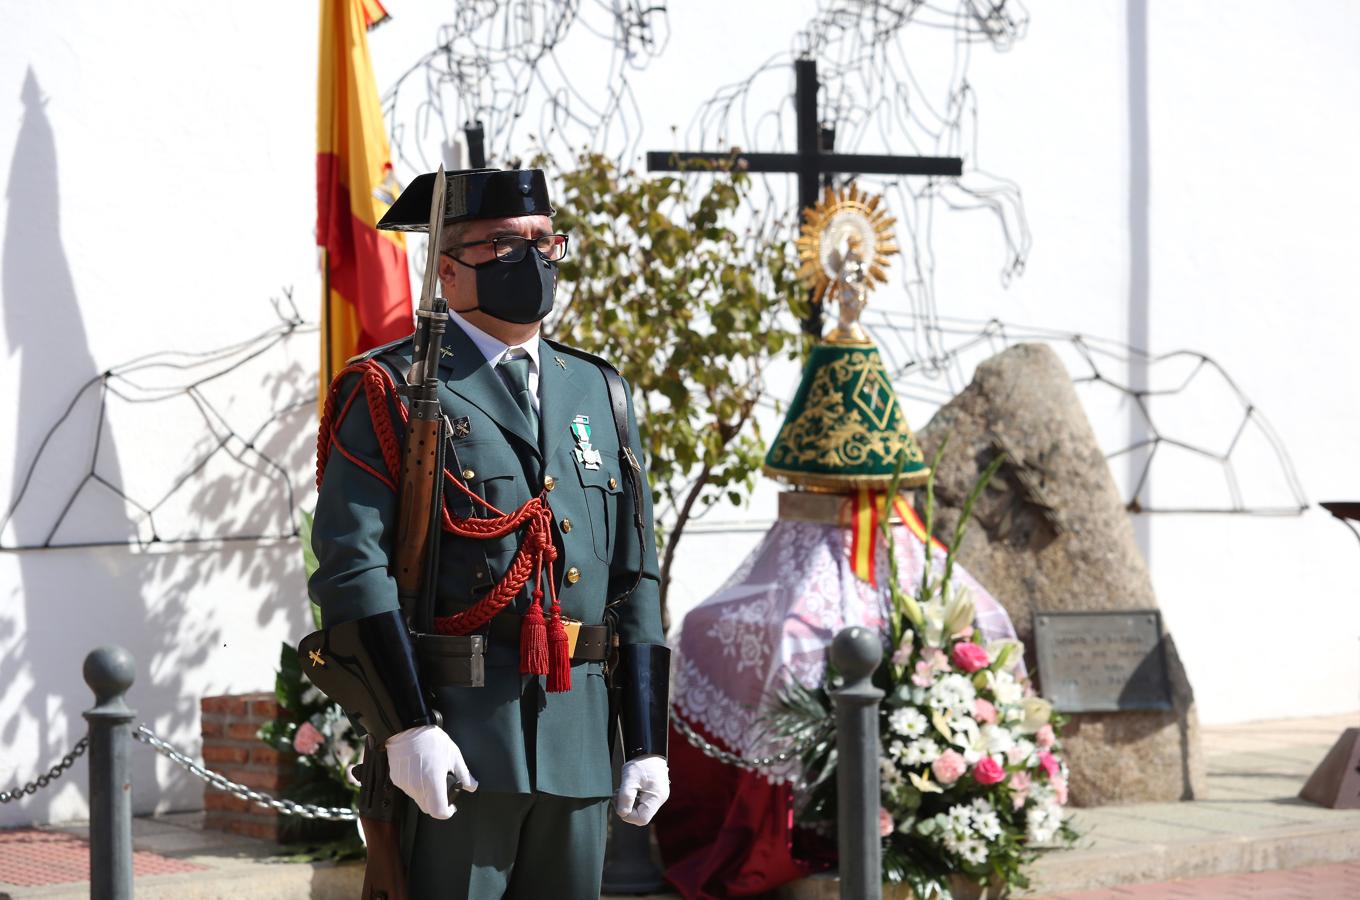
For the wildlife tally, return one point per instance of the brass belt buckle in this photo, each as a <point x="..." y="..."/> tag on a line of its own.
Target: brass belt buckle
<point x="573" y="627"/>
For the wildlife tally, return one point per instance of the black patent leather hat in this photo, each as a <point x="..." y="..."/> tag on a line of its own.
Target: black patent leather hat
<point x="471" y="194"/>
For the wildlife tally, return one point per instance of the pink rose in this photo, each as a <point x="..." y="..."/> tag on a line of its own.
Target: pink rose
<point x="988" y="771"/>
<point x="885" y="823"/>
<point x="1049" y="763"/>
<point x="984" y="711"/>
<point x="308" y="740"/>
<point x="936" y="657"/>
<point x="1019" y="785"/>
<point x="1045" y="737"/>
<point x="970" y="657"/>
<point x="948" y="767"/>
<point x="1060" y="789"/>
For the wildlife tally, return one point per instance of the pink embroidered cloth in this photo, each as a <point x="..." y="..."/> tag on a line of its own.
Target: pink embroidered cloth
<point x="777" y="614"/>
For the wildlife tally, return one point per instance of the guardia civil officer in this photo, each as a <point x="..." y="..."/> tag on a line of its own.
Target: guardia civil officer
<point x="532" y="434"/>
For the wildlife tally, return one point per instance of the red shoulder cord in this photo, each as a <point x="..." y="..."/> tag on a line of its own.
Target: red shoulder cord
<point x="543" y="646"/>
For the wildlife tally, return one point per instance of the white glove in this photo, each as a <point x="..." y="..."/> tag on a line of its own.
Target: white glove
<point x="420" y="760"/>
<point x="644" y="784"/>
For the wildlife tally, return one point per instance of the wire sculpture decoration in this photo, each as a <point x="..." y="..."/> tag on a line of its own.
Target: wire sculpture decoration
<point x="499" y="64"/>
<point x="876" y="101"/>
<point x="261" y="453"/>
<point x="1242" y="435"/>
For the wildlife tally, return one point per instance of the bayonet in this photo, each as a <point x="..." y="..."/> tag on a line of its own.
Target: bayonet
<point x="426" y="356"/>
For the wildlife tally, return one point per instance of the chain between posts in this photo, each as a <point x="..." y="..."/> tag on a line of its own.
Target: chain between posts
<point x="709" y="749"/>
<point x="217" y="780"/>
<point x="335" y="813"/>
<point x="50" y="776"/>
<point x="222" y="783"/>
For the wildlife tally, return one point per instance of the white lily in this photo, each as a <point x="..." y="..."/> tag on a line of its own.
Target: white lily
<point x="975" y="742"/>
<point x="923" y="783"/>
<point x="1037" y="712"/>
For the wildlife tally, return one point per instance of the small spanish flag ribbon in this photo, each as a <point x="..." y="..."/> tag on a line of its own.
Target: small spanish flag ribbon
<point x="864" y="534"/>
<point x="864" y="510"/>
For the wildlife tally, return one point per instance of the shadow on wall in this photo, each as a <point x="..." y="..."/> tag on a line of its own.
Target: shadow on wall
<point x="64" y="602"/>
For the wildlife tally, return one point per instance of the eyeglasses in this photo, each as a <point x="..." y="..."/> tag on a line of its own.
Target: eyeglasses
<point x="511" y="248"/>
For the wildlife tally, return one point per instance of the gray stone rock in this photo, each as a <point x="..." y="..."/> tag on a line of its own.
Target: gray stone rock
<point x="1051" y="533"/>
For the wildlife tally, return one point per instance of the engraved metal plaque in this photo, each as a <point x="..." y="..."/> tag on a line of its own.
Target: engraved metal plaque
<point x="1102" y="661"/>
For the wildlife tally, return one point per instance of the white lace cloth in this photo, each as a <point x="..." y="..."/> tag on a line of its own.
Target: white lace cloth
<point x="778" y="613"/>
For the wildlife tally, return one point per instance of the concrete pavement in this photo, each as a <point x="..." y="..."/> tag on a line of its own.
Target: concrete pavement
<point x="1251" y="823"/>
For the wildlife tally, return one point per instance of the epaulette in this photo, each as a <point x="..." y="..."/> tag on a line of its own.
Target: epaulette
<point x="379" y="350"/>
<point x="583" y="354"/>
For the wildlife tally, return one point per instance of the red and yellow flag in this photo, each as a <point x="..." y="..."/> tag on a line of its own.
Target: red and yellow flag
<point x="864" y="511"/>
<point x="366" y="299"/>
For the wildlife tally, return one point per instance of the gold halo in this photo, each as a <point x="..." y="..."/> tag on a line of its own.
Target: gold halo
<point x="861" y="213"/>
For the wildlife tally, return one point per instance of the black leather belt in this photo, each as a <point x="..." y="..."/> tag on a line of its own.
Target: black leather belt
<point x="459" y="660"/>
<point x="449" y="660"/>
<point x="591" y="642"/>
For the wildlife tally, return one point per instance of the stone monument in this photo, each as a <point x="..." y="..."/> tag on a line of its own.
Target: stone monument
<point x="1051" y="534"/>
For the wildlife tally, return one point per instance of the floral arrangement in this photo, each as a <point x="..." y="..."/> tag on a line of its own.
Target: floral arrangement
<point x="320" y="733"/>
<point x="971" y="772"/>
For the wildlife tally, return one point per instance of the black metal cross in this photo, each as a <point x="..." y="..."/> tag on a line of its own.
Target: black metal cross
<point x="814" y="158"/>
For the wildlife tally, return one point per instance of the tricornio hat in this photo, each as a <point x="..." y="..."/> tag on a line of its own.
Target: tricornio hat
<point x="471" y="194"/>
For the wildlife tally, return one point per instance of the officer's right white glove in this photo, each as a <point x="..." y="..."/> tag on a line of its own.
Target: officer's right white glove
<point x="420" y="760"/>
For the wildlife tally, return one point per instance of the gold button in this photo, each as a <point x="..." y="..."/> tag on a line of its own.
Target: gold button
<point x="573" y="575"/>
<point x="549" y="482"/>
<point x="468" y="473"/>
<point x="613" y="484"/>
<point x="566" y="525"/>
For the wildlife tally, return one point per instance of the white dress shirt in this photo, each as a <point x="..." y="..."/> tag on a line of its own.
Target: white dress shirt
<point x="494" y="349"/>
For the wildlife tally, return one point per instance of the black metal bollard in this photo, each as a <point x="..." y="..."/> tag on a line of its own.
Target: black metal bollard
<point x="109" y="671"/>
<point x="856" y="653"/>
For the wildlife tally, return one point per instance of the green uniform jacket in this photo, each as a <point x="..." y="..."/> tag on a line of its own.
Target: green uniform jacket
<point x="515" y="736"/>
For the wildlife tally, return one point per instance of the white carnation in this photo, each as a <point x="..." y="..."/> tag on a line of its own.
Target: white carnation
<point x="888" y="773"/>
<point x="908" y="722"/>
<point x="988" y="824"/>
<point x="921" y="752"/>
<point x="1042" y="822"/>
<point x="1006" y="691"/>
<point x="973" y="851"/>
<point x="953" y="692"/>
<point x="959" y="819"/>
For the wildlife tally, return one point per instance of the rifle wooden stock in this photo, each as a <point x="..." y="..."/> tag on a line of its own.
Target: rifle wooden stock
<point x="381" y="810"/>
<point x="415" y="505"/>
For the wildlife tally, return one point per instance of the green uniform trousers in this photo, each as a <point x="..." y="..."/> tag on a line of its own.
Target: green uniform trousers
<point x="513" y="846"/>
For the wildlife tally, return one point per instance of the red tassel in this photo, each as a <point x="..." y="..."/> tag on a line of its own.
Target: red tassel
<point x="533" y="641"/>
<point x="559" y="656"/>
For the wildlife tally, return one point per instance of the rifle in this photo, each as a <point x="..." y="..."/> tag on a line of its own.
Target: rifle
<point x="382" y="808"/>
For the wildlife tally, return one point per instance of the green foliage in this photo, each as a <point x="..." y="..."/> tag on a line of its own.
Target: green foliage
<point x="660" y="280"/>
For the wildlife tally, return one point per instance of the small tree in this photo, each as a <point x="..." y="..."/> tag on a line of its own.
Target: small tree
<point x="692" y="311"/>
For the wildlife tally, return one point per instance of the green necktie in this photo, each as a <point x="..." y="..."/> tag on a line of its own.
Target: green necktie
<point x="517" y="376"/>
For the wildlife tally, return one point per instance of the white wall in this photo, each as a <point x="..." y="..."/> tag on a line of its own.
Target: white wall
<point x="161" y="189"/>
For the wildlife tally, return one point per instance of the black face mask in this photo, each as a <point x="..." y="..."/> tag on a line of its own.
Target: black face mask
<point x="520" y="292"/>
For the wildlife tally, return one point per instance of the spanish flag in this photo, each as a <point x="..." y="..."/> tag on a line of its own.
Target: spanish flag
<point x="366" y="299"/>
